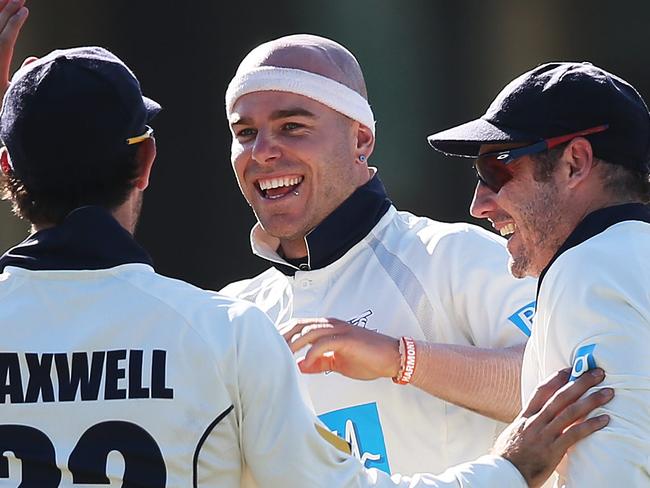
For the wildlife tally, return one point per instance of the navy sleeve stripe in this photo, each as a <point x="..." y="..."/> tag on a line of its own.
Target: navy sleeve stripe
<point x="205" y="435"/>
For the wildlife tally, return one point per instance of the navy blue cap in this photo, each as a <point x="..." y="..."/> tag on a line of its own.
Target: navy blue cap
<point x="69" y="105"/>
<point x="555" y="99"/>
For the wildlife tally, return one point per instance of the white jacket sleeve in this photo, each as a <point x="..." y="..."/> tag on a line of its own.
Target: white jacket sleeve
<point x="281" y="444"/>
<point x="597" y="316"/>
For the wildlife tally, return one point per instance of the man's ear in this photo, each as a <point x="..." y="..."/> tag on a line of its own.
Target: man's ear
<point x="145" y="156"/>
<point x="578" y="157"/>
<point x="29" y="60"/>
<point x="365" y="142"/>
<point x="5" y="166"/>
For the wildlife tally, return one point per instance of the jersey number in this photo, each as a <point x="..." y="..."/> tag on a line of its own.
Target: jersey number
<point x="143" y="461"/>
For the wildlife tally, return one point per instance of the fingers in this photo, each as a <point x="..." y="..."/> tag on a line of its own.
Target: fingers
<point x="312" y="335"/>
<point x="539" y="438"/>
<point x="545" y="391"/>
<point x="12" y="17"/>
<point x="581" y="430"/>
<point x="569" y="393"/>
<point x="316" y="337"/>
<point x="317" y="364"/>
<point x="7" y="10"/>
<point x="323" y="347"/>
<point x="297" y="326"/>
<point x="308" y="331"/>
<point x="580" y="410"/>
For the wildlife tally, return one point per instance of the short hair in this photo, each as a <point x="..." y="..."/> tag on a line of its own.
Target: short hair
<point x="623" y="183"/>
<point x="545" y="162"/>
<point x="46" y="194"/>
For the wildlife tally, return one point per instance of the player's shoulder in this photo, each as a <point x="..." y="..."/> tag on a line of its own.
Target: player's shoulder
<point x="198" y="307"/>
<point x="9" y="281"/>
<point x="618" y="254"/>
<point x="270" y="291"/>
<point x="249" y="288"/>
<point x="621" y="242"/>
<point x="422" y="235"/>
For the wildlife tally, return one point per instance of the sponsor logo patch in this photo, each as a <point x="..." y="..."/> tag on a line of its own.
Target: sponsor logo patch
<point x="361" y="320"/>
<point x="523" y="318"/>
<point x="360" y="427"/>
<point x="583" y="361"/>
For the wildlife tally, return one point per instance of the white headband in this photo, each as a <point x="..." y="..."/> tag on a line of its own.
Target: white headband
<point x="324" y="90"/>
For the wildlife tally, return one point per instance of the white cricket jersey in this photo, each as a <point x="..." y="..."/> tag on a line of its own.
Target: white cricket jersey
<point x="594" y="311"/>
<point x="111" y="373"/>
<point x="410" y="276"/>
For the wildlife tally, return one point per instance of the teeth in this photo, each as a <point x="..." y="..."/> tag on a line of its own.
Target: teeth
<point x="507" y="229"/>
<point x="278" y="182"/>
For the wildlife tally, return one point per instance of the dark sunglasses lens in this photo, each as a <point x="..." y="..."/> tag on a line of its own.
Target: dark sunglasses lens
<point x="492" y="172"/>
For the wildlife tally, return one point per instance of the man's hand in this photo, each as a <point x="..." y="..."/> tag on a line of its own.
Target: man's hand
<point x="13" y="14"/>
<point x="347" y="349"/>
<point x="552" y="422"/>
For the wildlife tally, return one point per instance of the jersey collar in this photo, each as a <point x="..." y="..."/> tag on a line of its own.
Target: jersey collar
<point x="335" y="235"/>
<point x="596" y="222"/>
<point x="88" y="239"/>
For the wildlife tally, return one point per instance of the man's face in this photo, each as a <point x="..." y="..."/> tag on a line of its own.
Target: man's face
<point x="294" y="159"/>
<point x="525" y="211"/>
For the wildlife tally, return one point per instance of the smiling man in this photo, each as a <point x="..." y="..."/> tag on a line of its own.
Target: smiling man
<point x="409" y="288"/>
<point x="81" y="307"/>
<point x="562" y="156"/>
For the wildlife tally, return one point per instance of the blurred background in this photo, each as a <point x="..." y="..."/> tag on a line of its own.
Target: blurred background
<point x="429" y="64"/>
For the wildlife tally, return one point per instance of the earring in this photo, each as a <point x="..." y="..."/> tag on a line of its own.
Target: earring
<point x="362" y="158"/>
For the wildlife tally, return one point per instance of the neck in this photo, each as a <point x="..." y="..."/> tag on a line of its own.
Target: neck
<point x="595" y="200"/>
<point x="126" y="215"/>
<point x="294" y="248"/>
<point x="38" y="227"/>
<point x="580" y="209"/>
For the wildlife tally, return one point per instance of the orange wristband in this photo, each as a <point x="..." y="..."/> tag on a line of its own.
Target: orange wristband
<point x="407" y="352"/>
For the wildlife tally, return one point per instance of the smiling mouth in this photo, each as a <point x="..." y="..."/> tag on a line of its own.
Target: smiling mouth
<point x="507" y="230"/>
<point x="274" y="188"/>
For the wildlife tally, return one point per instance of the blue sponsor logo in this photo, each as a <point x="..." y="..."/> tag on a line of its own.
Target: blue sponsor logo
<point x="361" y="428"/>
<point x="523" y="318"/>
<point x="583" y="361"/>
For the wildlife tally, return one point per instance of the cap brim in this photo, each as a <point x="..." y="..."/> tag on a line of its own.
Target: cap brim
<point x="152" y="107"/>
<point x="465" y="140"/>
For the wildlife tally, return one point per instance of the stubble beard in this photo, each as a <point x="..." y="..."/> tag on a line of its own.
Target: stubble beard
<point x="541" y="219"/>
<point x="518" y="266"/>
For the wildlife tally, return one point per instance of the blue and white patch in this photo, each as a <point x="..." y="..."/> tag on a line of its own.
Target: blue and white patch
<point x="583" y="361"/>
<point x="523" y="318"/>
<point x="361" y="428"/>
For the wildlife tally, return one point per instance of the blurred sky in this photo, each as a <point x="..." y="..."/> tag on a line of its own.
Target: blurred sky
<point x="429" y="64"/>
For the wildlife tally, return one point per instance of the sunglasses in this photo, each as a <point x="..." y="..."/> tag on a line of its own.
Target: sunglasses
<point x="492" y="168"/>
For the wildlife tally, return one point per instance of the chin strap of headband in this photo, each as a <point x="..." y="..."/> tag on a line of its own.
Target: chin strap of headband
<point x="324" y="90"/>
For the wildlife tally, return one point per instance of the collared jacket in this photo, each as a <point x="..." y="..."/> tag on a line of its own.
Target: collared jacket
<point x="401" y="275"/>
<point x="110" y="372"/>
<point x="594" y="311"/>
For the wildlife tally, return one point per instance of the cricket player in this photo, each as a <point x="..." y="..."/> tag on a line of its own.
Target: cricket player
<point x="113" y="374"/>
<point x="562" y="155"/>
<point x="302" y="135"/>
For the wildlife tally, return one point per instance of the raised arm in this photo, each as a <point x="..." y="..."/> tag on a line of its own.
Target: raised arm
<point x="12" y="17"/>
